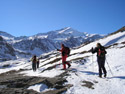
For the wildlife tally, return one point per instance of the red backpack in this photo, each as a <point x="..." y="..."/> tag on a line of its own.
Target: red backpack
<point x="101" y="52"/>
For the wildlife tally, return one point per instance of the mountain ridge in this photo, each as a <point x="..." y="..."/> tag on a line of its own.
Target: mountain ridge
<point x="46" y="42"/>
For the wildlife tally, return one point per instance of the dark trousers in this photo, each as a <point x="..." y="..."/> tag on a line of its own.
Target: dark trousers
<point x="37" y="64"/>
<point x="101" y="65"/>
<point x="34" y="66"/>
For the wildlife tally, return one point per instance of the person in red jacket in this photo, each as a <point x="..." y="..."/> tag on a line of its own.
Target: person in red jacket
<point x="64" y="56"/>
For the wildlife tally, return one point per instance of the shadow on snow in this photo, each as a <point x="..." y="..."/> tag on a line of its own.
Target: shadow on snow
<point x="89" y="72"/>
<point x="119" y="77"/>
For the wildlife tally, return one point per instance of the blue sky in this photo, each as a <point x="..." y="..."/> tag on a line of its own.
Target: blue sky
<point x="29" y="17"/>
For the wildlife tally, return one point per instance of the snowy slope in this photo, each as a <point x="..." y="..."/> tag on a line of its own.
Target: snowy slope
<point x="117" y="38"/>
<point x="84" y="70"/>
<point x="113" y="84"/>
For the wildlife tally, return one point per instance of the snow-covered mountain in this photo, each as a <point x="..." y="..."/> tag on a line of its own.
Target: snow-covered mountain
<point x="80" y="78"/>
<point x="63" y="34"/>
<point x="46" y="42"/>
<point x="35" y="46"/>
<point x="6" y="50"/>
<point x="66" y="33"/>
<point x="6" y="36"/>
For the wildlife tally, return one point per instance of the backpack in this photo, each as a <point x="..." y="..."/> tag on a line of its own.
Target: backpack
<point x="101" y="52"/>
<point x="67" y="49"/>
<point x="34" y="60"/>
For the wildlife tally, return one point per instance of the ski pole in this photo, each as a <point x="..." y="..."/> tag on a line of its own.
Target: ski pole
<point x="56" y="64"/>
<point x="109" y="67"/>
<point x="92" y="63"/>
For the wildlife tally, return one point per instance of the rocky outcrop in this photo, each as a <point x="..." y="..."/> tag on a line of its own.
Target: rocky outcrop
<point x="14" y="83"/>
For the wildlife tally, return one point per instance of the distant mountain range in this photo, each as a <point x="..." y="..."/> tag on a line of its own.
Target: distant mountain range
<point x="46" y="42"/>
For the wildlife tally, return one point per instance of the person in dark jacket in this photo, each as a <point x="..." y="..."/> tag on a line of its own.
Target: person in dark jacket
<point x="34" y="61"/>
<point x="100" y="50"/>
<point x="64" y="56"/>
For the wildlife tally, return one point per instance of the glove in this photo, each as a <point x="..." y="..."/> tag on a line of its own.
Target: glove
<point x="91" y="49"/>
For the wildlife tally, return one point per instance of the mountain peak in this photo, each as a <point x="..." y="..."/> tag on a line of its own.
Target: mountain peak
<point x="6" y="35"/>
<point x="64" y="30"/>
